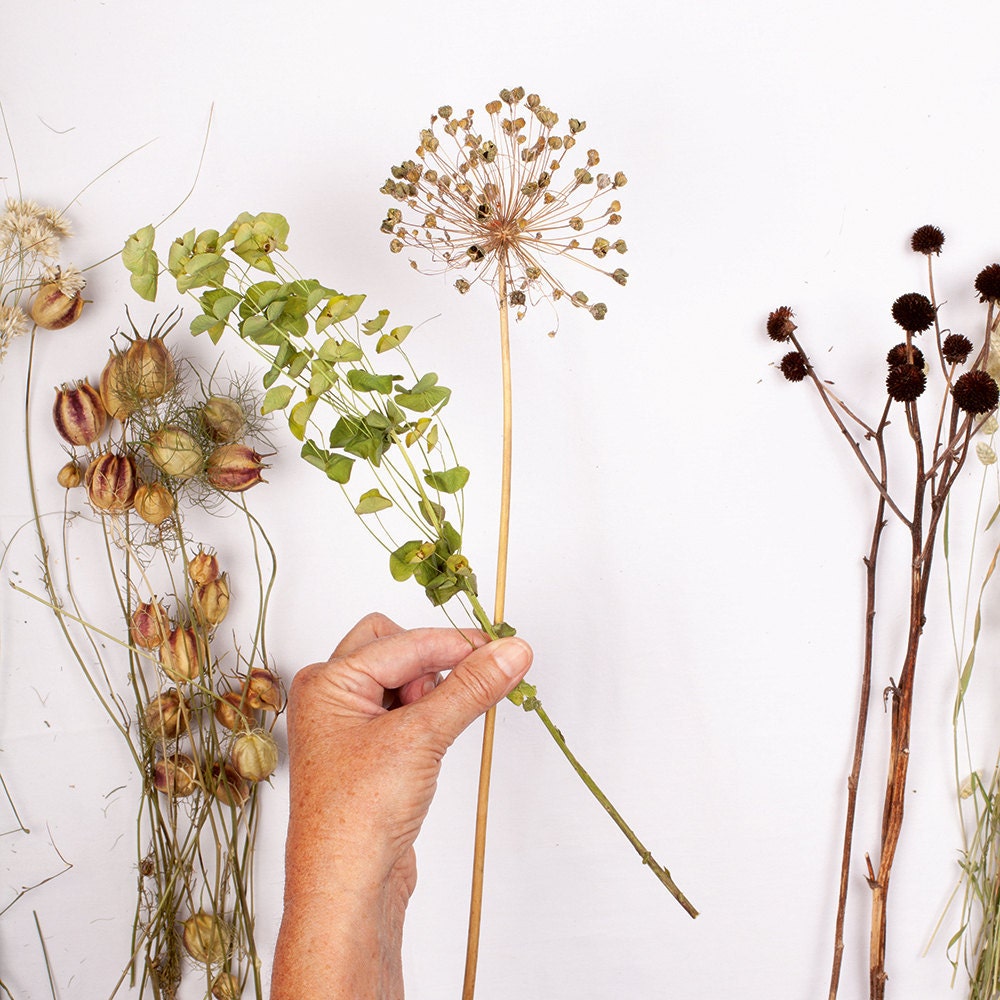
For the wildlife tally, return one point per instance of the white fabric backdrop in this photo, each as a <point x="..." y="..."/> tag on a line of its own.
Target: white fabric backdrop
<point x="688" y="528"/>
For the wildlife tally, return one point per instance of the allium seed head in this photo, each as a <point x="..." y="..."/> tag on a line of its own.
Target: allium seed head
<point x="975" y="392"/>
<point x="913" y="312"/>
<point x="905" y="383"/>
<point x="927" y="240"/>
<point x="504" y="201"/>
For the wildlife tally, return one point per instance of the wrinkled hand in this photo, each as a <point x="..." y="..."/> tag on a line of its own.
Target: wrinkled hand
<point x="366" y="734"/>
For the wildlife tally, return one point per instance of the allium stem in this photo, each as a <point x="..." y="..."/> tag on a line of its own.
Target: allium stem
<point x="489" y="723"/>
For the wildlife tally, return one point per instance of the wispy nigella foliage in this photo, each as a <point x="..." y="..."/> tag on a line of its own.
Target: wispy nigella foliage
<point x="503" y="205"/>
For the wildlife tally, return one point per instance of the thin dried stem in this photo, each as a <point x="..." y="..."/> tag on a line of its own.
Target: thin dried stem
<point x="489" y="723"/>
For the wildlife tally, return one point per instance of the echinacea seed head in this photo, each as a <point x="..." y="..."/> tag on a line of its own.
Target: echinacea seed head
<point x="901" y="355"/>
<point x="975" y="392"/>
<point x="794" y="366"/>
<point x="779" y="324"/>
<point x="913" y="312"/>
<point x="988" y="283"/>
<point x="905" y="382"/>
<point x="956" y="348"/>
<point x="927" y="240"/>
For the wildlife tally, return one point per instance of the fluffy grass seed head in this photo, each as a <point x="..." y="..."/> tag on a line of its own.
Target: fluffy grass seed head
<point x="502" y="204"/>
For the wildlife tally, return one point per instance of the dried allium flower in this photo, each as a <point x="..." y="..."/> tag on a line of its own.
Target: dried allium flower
<point x="975" y="392"/>
<point x="779" y="324"/>
<point x="899" y="355"/>
<point x="501" y="202"/>
<point x="988" y="283"/>
<point x="913" y="312"/>
<point x="905" y="383"/>
<point x="927" y="240"/>
<point x="794" y="366"/>
<point x="956" y="348"/>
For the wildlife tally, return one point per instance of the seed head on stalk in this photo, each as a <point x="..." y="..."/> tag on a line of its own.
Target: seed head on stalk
<point x="499" y="205"/>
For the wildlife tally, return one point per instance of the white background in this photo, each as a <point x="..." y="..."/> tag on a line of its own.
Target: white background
<point x="688" y="528"/>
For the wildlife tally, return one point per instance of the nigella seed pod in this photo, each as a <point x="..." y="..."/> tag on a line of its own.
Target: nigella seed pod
<point x="118" y="402"/>
<point x="229" y="786"/>
<point x="165" y="717"/>
<point x="210" y="601"/>
<point x="70" y="476"/>
<point x="111" y="480"/>
<point x="175" y="452"/>
<point x="176" y="775"/>
<point x="53" y="309"/>
<point x="223" y="419"/>
<point x="154" y="503"/>
<point x="234" y="468"/>
<point x="226" y="986"/>
<point x="149" y="625"/>
<point x="206" y="938"/>
<point x="203" y="568"/>
<point x="79" y="414"/>
<point x="263" y="691"/>
<point x="149" y="368"/>
<point x="232" y="712"/>
<point x="254" y="755"/>
<point x="180" y="655"/>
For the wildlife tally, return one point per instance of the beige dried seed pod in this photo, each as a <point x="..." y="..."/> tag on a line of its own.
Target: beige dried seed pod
<point x="232" y="712"/>
<point x="154" y="503"/>
<point x="166" y="715"/>
<point x="180" y="655"/>
<point x="203" y="568"/>
<point x="79" y="414"/>
<point x="111" y="480"/>
<point x="70" y="476"/>
<point x="176" y="775"/>
<point x="206" y="938"/>
<point x="53" y="309"/>
<point x="210" y="602"/>
<point x="254" y="755"/>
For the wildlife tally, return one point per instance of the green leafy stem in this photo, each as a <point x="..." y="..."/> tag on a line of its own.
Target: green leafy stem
<point x="344" y="411"/>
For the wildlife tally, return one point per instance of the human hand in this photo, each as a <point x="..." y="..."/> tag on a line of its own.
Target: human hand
<point x="366" y="734"/>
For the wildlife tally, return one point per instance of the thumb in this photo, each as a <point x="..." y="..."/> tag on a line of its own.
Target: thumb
<point x="482" y="679"/>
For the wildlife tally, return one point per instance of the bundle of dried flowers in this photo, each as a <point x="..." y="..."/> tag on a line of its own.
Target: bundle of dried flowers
<point x="198" y="716"/>
<point x="961" y="393"/>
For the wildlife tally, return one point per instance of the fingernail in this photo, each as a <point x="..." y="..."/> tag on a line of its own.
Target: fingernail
<point x="512" y="656"/>
<point x="428" y="686"/>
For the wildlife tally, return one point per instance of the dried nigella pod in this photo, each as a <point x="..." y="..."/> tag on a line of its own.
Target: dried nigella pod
<point x="79" y="414"/>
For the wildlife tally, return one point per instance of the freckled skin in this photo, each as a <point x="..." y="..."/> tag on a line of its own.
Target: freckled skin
<point x="367" y="731"/>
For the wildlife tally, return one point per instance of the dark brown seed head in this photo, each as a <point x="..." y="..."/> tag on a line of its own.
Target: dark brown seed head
<point x="956" y="348"/>
<point x="779" y="324"/>
<point x="975" y="392"/>
<point x="794" y="366"/>
<point x="988" y="283"/>
<point x="900" y="356"/>
<point x="913" y="312"/>
<point x="927" y="240"/>
<point x="905" y="383"/>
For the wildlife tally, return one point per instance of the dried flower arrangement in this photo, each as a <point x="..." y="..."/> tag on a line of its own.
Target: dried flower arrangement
<point x="197" y="718"/>
<point x="961" y="403"/>
<point x="493" y="208"/>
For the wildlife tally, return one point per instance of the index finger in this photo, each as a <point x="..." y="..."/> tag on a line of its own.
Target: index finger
<point x="394" y="660"/>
